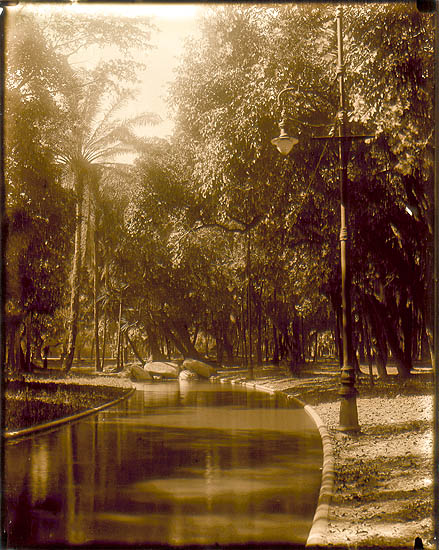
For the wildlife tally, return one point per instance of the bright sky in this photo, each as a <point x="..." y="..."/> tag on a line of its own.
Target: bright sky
<point x="174" y="22"/>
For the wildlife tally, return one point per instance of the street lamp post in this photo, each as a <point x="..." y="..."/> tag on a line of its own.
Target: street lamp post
<point x="348" y="421"/>
<point x="348" y="392"/>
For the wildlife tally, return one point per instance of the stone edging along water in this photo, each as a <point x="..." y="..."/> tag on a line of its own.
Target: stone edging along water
<point x="319" y="529"/>
<point x="317" y="537"/>
<point x="25" y="432"/>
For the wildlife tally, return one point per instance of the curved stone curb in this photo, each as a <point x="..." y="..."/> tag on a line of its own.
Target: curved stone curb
<point x="317" y="537"/>
<point x="319" y="531"/>
<point x="259" y="387"/>
<point x="58" y="422"/>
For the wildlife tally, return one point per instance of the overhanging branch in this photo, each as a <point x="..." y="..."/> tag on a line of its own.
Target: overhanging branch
<point x="245" y="227"/>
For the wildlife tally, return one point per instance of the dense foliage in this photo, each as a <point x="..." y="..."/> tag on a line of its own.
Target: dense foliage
<point x="212" y="242"/>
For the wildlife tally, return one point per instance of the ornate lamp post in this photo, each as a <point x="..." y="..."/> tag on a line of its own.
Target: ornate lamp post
<point x="284" y="143"/>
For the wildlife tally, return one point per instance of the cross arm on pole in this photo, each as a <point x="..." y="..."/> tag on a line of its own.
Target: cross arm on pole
<point x="343" y="138"/>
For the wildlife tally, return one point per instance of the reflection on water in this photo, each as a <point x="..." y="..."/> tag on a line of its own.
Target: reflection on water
<point x="175" y="464"/>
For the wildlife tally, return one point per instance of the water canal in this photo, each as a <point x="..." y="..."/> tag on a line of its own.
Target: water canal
<point x="175" y="464"/>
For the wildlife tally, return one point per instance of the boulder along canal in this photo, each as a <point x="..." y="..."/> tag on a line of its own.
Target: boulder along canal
<point x="176" y="464"/>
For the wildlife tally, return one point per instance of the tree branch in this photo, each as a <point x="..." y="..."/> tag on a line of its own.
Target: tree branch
<point x="245" y="226"/>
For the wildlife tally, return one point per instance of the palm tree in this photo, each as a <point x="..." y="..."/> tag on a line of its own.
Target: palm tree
<point x="93" y="140"/>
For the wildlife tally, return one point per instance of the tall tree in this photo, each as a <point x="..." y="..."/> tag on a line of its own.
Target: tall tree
<point x="95" y="138"/>
<point x="75" y="126"/>
<point x="225" y="98"/>
<point x="36" y="224"/>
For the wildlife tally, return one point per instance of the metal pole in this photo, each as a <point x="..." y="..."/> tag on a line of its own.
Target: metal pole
<point x="436" y="296"/>
<point x="348" y="393"/>
<point x="249" y="307"/>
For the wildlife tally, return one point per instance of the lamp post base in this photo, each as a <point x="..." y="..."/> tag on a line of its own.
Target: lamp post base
<point x="348" y="414"/>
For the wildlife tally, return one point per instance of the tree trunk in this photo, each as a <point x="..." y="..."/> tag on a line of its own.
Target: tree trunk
<point x="243" y="333"/>
<point x="249" y="308"/>
<point x="275" y="345"/>
<point x="195" y="336"/>
<point x="381" y="342"/>
<point x="125" y="349"/>
<point x="361" y="343"/>
<point x="80" y="345"/>
<point x="28" y="342"/>
<point x="206" y="343"/>
<point x="407" y="330"/>
<point x="382" y="358"/>
<point x="171" y="336"/>
<point x="227" y="345"/>
<point x="104" y="340"/>
<point x="92" y="349"/>
<point x="430" y="340"/>
<point x="104" y="336"/>
<point x="259" y="341"/>
<point x="154" y="351"/>
<point x="302" y="340"/>
<point x="367" y="350"/>
<point x="14" y="342"/>
<point x="180" y="332"/>
<point x="98" y="364"/>
<point x="76" y="277"/>
<point x="119" y="336"/>
<point x="355" y="362"/>
<point x="403" y="367"/>
<point x="133" y="347"/>
<point x="168" y="349"/>
<point x="219" y="349"/>
<point x="430" y="304"/>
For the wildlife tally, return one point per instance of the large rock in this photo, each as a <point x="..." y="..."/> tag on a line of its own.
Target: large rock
<point x="162" y="369"/>
<point x="140" y="374"/>
<point x="199" y="367"/>
<point x="188" y="376"/>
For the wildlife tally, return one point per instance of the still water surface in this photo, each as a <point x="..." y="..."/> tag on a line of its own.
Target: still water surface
<point x="176" y="464"/>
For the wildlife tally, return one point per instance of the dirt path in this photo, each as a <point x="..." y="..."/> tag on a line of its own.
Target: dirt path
<point x="383" y="495"/>
<point x="384" y="482"/>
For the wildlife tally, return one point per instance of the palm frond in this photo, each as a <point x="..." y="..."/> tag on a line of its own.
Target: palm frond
<point x="143" y="119"/>
<point x="109" y="139"/>
<point x="108" y="117"/>
<point x="85" y="224"/>
<point x="108" y="152"/>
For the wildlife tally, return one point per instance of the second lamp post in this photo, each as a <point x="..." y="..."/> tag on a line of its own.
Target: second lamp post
<point x="348" y="394"/>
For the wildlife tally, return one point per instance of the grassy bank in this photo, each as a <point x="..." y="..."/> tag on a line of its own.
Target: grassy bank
<point x="42" y="397"/>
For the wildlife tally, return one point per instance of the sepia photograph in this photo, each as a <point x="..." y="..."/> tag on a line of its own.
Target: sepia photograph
<point x="219" y="279"/>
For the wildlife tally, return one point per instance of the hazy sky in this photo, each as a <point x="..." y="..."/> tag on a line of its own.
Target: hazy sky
<point x="175" y="23"/>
